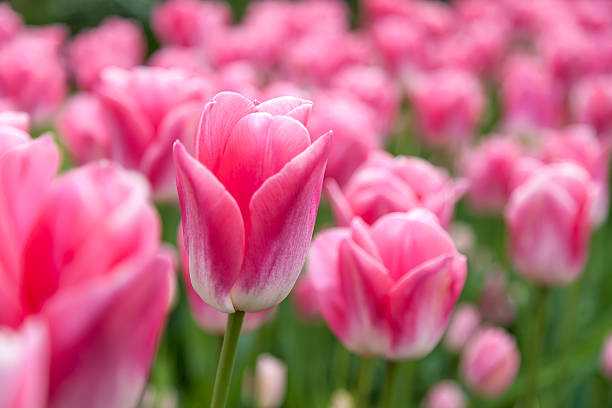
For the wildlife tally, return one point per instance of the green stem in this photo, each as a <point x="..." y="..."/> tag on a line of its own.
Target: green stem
<point x="364" y="382"/>
<point x="566" y="334"/>
<point x="534" y="347"/>
<point x="226" y="360"/>
<point x="390" y="376"/>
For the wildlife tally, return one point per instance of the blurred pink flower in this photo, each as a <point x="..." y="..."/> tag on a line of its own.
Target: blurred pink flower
<point x="463" y="325"/>
<point x="448" y="105"/>
<point x="591" y="103"/>
<point x="549" y="218"/>
<point x="32" y="74"/>
<point x="270" y="381"/>
<point x="190" y="22"/>
<point x="490" y="169"/>
<point x="354" y="127"/>
<point x="249" y="199"/>
<point x="606" y="358"/>
<point x="400" y="42"/>
<point x="380" y="304"/>
<point x="490" y="362"/>
<point x="193" y="60"/>
<point x="82" y="254"/>
<point x="147" y="110"/>
<point x="10" y="23"/>
<point x="445" y="394"/>
<point x="305" y="300"/>
<point x="374" y="87"/>
<point x="530" y="96"/>
<point x="385" y="184"/>
<point x="207" y="317"/>
<point x="117" y="42"/>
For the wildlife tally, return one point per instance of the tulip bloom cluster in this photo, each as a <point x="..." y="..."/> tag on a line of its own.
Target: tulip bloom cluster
<point x="301" y="118"/>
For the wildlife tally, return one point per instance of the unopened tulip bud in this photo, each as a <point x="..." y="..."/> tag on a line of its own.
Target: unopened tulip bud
<point x="270" y="381"/>
<point x="462" y="326"/>
<point x="445" y="394"/>
<point x="490" y="362"/>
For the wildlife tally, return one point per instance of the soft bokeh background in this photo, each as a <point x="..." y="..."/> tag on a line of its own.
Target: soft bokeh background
<point x="317" y="364"/>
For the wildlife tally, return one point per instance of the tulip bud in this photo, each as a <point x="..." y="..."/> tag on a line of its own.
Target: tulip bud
<point x="445" y="394"/>
<point x="270" y="381"/>
<point x="249" y="200"/>
<point x="591" y="103"/>
<point x="549" y="218"/>
<point x="463" y="324"/>
<point x="342" y="399"/>
<point x="490" y="362"/>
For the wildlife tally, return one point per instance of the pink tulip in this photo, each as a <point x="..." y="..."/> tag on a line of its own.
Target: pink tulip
<point x="189" y="22"/>
<point x="530" y="96"/>
<point x="147" y="110"/>
<point x="317" y="57"/>
<point x="591" y="103"/>
<point x="448" y="105"/>
<point x="384" y="184"/>
<point x="354" y="127"/>
<point x="374" y="87"/>
<point x="249" y="199"/>
<point x="84" y="129"/>
<point x="24" y="365"/>
<point x="579" y="144"/>
<point x="314" y="16"/>
<point x="490" y="169"/>
<point x="445" y="394"/>
<point x="400" y="42"/>
<point x="240" y="77"/>
<point x="379" y="303"/>
<point x="32" y="75"/>
<point x="82" y="254"/>
<point x="305" y="299"/>
<point x="490" y="362"/>
<point x="10" y="23"/>
<point x="270" y="381"/>
<point x="606" y="358"/>
<point x="115" y="43"/>
<point x="463" y="324"/>
<point x="549" y="218"/>
<point x="207" y="317"/>
<point x="19" y="120"/>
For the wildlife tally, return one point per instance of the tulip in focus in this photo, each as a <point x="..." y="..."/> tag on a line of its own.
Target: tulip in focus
<point x="249" y="199"/>
<point x="606" y="359"/>
<point x="448" y="105"/>
<point x="270" y="382"/>
<point x="490" y="362"/>
<point x="207" y="317"/>
<point x="385" y="184"/>
<point x="388" y="290"/>
<point x="116" y="42"/>
<point x="549" y="218"/>
<point x="463" y="324"/>
<point x="445" y="394"/>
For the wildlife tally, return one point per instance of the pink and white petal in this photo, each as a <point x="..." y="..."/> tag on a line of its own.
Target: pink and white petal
<point x="343" y="213"/>
<point x="364" y="286"/>
<point x="213" y="230"/>
<point x="421" y="304"/>
<point x="218" y="119"/>
<point x="297" y="108"/>
<point x="283" y="213"/>
<point x="101" y="356"/>
<point x="16" y="119"/>
<point x="405" y="241"/>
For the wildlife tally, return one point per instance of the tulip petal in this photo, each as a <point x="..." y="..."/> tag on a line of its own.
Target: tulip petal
<point x="298" y="109"/>
<point x="283" y="213"/>
<point x="24" y="365"/>
<point x="421" y="304"/>
<point x="218" y="119"/>
<point x="213" y="230"/>
<point x="343" y="213"/>
<point x="101" y="355"/>
<point x="364" y="287"/>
